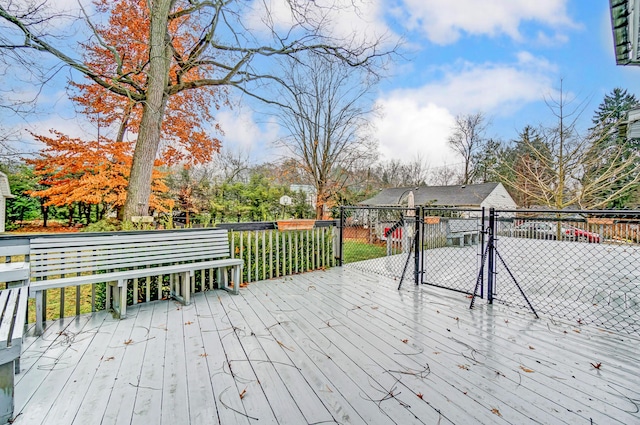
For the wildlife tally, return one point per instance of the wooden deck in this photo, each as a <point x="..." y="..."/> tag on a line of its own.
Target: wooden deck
<point x="335" y="346"/>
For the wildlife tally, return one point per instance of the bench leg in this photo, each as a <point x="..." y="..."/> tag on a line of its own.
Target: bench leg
<point x="39" y="313"/>
<point x="237" y="275"/>
<point x="186" y="287"/>
<point x="122" y="291"/>
<point x="6" y="392"/>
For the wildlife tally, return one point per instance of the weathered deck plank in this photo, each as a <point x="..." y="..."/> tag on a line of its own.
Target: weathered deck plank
<point x="326" y="347"/>
<point x="107" y="365"/>
<point x="148" y="400"/>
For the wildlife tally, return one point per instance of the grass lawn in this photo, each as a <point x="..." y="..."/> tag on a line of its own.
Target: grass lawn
<point x="355" y="250"/>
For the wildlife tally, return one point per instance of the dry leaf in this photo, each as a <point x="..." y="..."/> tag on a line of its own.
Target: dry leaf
<point x="496" y="412"/>
<point x="284" y="346"/>
<point x="188" y="323"/>
<point x="127" y="342"/>
<point x="109" y="358"/>
<point x="577" y="331"/>
<point x="405" y="341"/>
<point x="526" y="369"/>
<point x="203" y="355"/>
<point x="420" y="396"/>
<point x="243" y="393"/>
<point x="437" y="352"/>
<point x="463" y="366"/>
<point x="531" y="348"/>
<point x="596" y="365"/>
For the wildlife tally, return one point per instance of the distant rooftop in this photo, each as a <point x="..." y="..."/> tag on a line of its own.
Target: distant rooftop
<point x="470" y="195"/>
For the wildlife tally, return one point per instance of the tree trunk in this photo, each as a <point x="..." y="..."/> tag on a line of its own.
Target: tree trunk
<point x="139" y="189"/>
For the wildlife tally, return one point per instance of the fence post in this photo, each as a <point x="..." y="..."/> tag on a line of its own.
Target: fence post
<point x="482" y="245"/>
<point x="492" y="255"/>
<point x="417" y="243"/>
<point x="341" y="232"/>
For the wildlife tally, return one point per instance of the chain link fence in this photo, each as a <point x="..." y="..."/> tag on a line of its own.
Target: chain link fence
<point x="379" y="240"/>
<point x="452" y="245"/>
<point x="580" y="265"/>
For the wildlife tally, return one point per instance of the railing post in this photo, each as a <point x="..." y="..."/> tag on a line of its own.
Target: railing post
<point x="491" y="255"/>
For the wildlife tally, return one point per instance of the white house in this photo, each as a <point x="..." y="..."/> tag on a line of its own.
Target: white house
<point x="485" y="195"/>
<point x="5" y="193"/>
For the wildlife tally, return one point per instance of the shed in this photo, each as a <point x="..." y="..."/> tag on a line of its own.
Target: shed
<point x="485" y="195"/>
<point x="5" y="193"/>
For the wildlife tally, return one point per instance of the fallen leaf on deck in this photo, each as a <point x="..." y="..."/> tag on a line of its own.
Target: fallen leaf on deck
<point x="531" y="348"/>
<point x="420" y="396"/>
<point x="405" y="341"/>
<point x="526" y="369"/>
<point x="188" y="323"/>
<point x="596" y="365"/>
<point x="284" y="346"/>
<point x="127" y="342"/>
<point x="496" y="412"/>
<point x="109" y="358"/>
<point x="203" y="355"/>
<point x="243" y="393"/>
<point x="463" y="366"/>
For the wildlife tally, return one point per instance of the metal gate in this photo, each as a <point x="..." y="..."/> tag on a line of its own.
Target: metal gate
<point x="581" y="266"/>
<point x="439" y="247"/>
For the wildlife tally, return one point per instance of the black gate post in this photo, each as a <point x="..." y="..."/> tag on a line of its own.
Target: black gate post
<point x="417" y="244"/>
<point x="491" y="264"/>
<point x="341" y="233"/>
<point x="482" y="245"/>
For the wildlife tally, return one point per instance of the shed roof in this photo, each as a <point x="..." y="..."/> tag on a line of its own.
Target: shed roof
<point x="470" y="195"/>
<point x="5" y="190"/>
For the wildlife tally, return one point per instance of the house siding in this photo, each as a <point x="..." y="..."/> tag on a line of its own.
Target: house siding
<point x="499" y="198"/>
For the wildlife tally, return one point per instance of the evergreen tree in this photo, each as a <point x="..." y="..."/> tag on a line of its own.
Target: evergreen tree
<point x="612" y="143"/>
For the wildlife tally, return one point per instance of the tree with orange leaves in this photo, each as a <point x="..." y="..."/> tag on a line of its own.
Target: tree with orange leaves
<point x="188" y="45"/>
<point x="88" y="172"/>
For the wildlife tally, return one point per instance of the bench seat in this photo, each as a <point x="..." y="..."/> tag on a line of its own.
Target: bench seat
<point x="462" y="232"/>
<point x="13" y="308"/>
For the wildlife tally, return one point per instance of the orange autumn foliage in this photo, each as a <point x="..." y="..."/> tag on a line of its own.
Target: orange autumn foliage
<point x="186" y="137"/>
<point x="92" y="172"/>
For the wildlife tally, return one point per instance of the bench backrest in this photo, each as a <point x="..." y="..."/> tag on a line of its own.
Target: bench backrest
<point x="96" y="254"/>
<point x="463" y="225"/>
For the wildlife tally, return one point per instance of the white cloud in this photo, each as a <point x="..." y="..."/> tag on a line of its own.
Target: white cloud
<point x="243" y="135"/>
<point x="419" y="120"/>
<point x="409" y="127"/>
<point x="492" y="88"/>
<point x="341" y="19"/>
<point x="443" y="22"/>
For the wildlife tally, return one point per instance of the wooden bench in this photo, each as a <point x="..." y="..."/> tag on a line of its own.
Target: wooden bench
<point x="115" y="259"/>
<point x="13" y="310"/>
<point x="462" y="232"/>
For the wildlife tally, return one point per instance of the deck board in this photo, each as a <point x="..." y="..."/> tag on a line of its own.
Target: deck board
<point x="337" y="346"/>
<point x="148" y="400"/>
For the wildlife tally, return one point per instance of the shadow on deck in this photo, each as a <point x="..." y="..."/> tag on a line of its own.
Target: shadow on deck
<point x="338" y="346"/>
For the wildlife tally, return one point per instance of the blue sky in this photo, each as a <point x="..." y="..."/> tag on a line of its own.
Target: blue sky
<point x="498" y="57"/>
